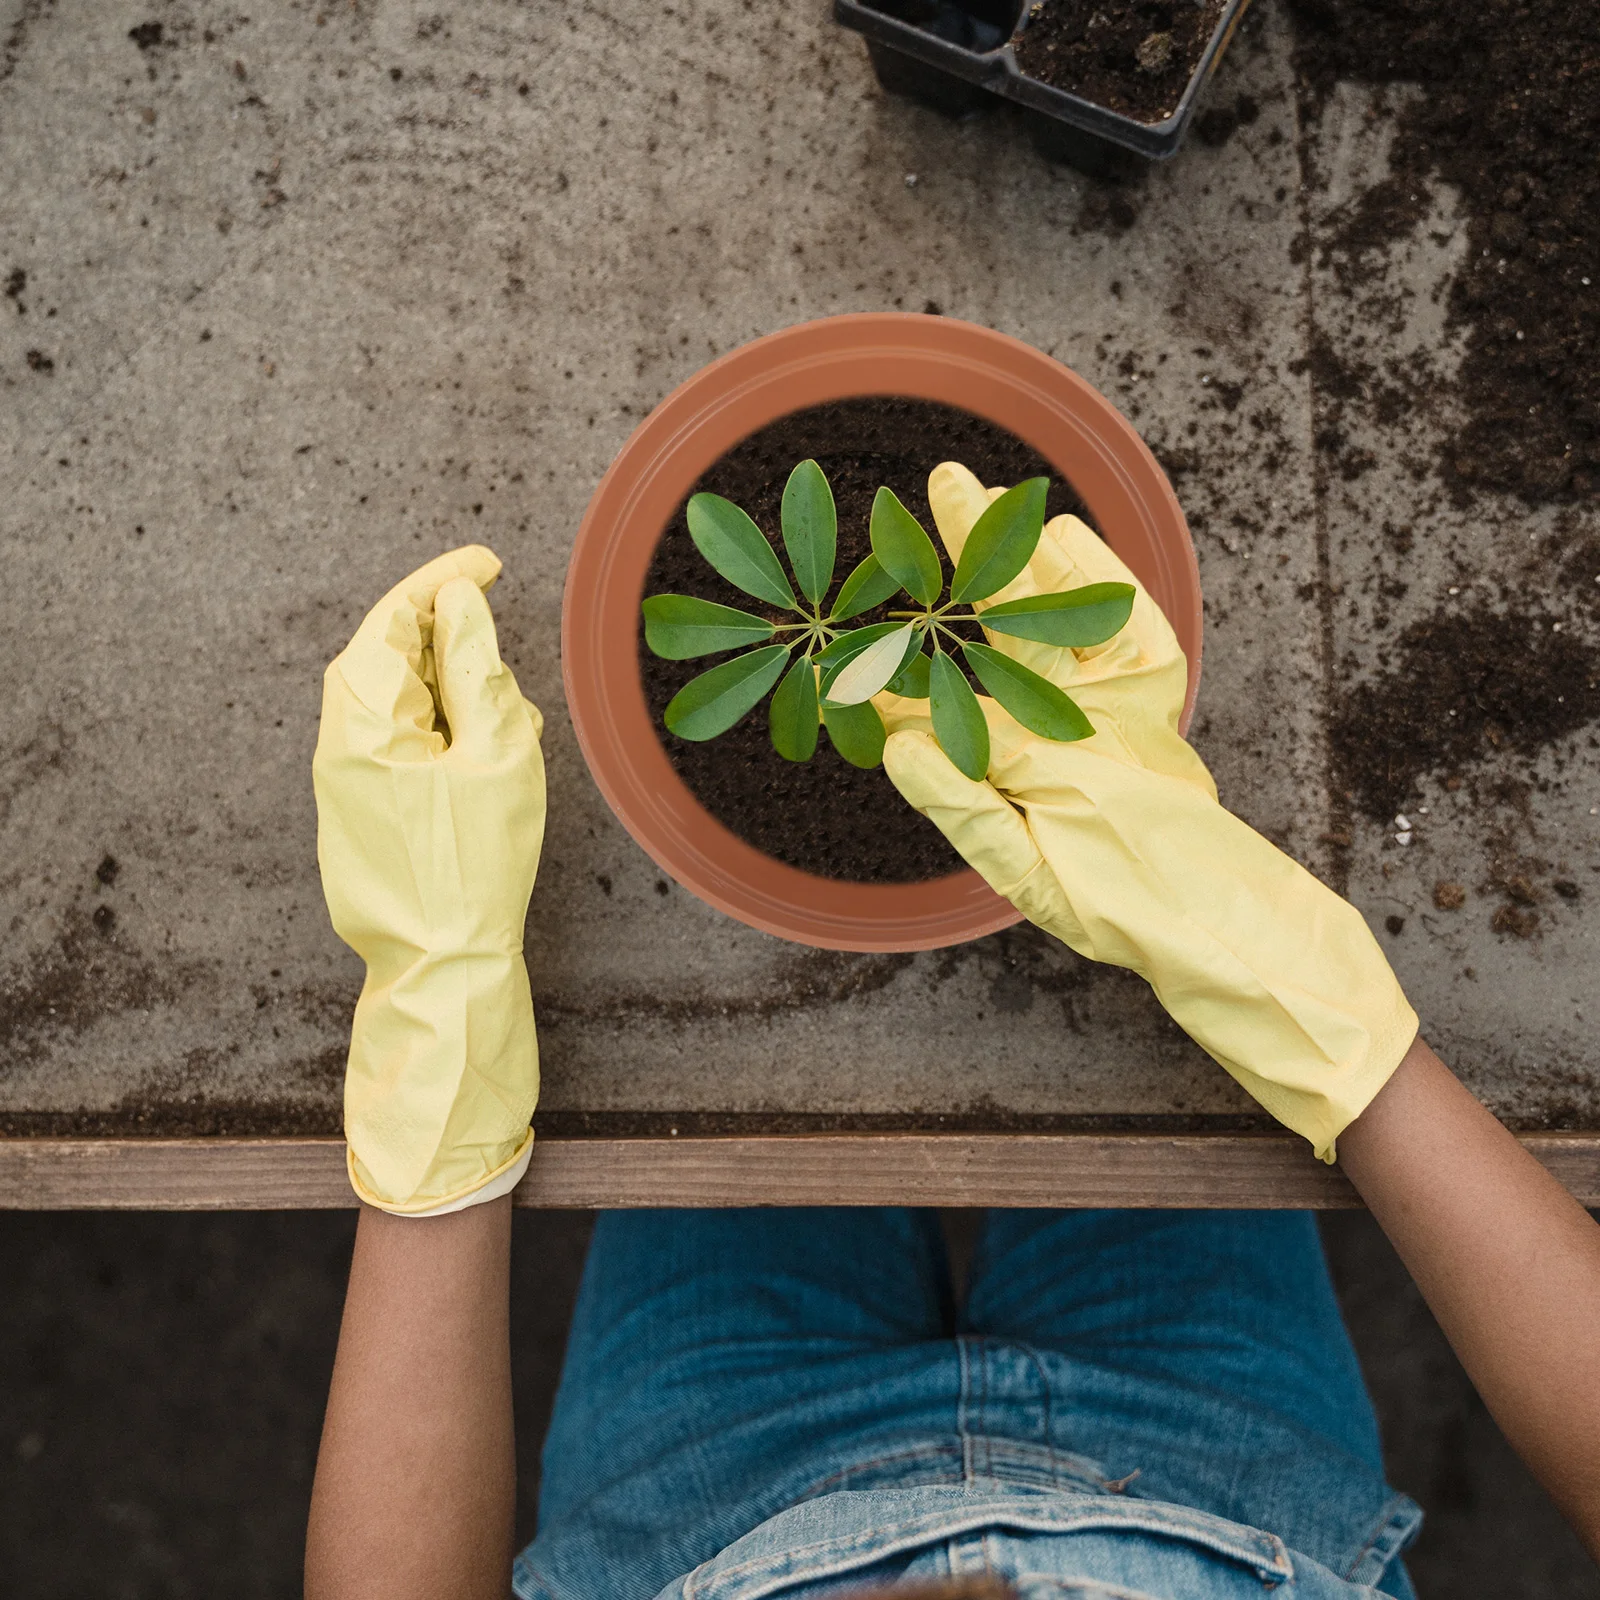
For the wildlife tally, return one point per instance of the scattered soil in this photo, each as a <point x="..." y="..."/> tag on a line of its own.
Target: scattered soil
<point x="91" y="974"/>
<point x="1216" y="125"/>
<point x="87" y="974"/>
<point x="1459" y="689"/>
<point x="1136" y="59"/>
<point x="1510" y="116"/>
<point x="982" y="1116"/>
<point x="823" y="815"/>
<point x="247" y="1120"/>
<point x="1514" y="920"/>
<point x="141" y="1116"/>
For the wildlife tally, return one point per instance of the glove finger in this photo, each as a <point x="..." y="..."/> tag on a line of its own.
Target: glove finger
<point x="1068" y="556"/>
<point x="1048" y="572"/>
<point x="1089" y="558"/>
<point x="389" y="663"/>
<point x="957" y="500"/>
<point x="1009" y="741"/>
<point x="1147" y="640"/>
<point x="486" y="713"/>
<point x="1071" y="555"/>
<point x="897" y="712"/>
<point x="985" y="828"/>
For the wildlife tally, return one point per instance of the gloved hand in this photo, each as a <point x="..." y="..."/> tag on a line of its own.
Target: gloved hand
<point x="430" y="815"/>
<point x="1118" y="846"/>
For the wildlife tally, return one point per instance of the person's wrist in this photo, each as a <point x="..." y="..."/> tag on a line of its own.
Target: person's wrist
<point x="1389" y="1108"/>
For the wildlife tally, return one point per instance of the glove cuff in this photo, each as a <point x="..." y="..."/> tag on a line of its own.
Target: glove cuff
<point x="1390" y="1044"/>
<point x="500" y="1182"/>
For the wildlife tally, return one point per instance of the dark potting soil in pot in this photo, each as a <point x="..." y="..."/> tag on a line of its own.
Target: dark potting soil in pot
<point x="1134" y="59"/>
<point x="824" y="815"/>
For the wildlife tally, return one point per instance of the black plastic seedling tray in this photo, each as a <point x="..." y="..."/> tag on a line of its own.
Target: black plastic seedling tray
<point x="959" y="53"/>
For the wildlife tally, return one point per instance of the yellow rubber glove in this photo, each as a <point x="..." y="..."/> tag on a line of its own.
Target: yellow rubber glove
<point x="430" y="815"/>
<point x="1118" y="846"/>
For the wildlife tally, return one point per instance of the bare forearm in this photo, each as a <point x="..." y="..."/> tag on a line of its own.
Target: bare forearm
<point x="416" y="1473"/>
<point x="1507" y="1260"/>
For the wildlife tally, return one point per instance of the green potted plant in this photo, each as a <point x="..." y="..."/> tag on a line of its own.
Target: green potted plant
<point x="782" y="820"/>
<point x="826" y="672"/>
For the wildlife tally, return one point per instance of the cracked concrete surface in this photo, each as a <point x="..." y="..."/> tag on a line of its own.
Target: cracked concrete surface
<point x="314" y="294"/>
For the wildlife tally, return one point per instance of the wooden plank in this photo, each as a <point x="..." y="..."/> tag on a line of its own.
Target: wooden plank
<point x="1145" y="1170"/>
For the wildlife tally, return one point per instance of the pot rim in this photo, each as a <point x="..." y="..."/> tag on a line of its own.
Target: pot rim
<point x="909" y="354"/>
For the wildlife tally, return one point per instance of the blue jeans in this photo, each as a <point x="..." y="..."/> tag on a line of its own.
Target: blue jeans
<point x="1187" y="1370"/>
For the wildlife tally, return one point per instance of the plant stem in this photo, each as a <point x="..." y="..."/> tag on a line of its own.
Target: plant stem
<point x="935" y="618"/>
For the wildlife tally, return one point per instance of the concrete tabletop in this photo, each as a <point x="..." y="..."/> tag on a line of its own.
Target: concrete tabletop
<point x="298" y="299"/>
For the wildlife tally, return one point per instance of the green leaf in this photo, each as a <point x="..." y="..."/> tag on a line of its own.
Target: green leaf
<point x="1034" y="701"/>
<point x="810" y="529"/>
<point x="870" y="670"/>
<point x="738" y="549"/>
<point x="857" y="733"/>
<point x="1079" y="617"/>
<point x="793" y="713"/>
<point x="958" y="722"/>
<point x="912" y="679"/>
<point x="904" y="550"/>
<point x="1001" y="542"/>
<point x="679" y="627"/>
<point x="713" y="702"/>
<point x="868" y="586"/>
<point x="834" y="658"/>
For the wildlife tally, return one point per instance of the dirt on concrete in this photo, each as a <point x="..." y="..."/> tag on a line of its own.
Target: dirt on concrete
<point x="1463" y="687"/>
<point x="165" y="1116"/>
<point x="1509" y="115"/>
<point x="88" y="973"/>
<point x="981" y="1116"/>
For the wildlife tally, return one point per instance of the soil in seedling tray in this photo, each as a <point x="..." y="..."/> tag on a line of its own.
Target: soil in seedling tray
<point x="824" y="815"/>
<point x="1134" y="59"/>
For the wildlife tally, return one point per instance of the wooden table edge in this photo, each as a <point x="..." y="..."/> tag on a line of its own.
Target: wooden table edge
<point x="1246" y="1171"/>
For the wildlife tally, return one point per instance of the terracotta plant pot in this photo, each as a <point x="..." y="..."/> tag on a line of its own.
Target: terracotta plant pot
<point x="1084" y="437"/>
